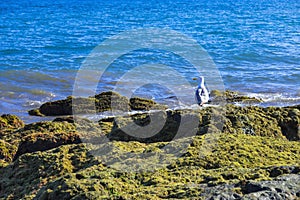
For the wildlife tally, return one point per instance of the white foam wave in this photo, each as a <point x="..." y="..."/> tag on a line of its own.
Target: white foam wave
<point x="276" y="99"/>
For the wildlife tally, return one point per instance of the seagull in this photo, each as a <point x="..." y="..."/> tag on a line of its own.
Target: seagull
<point x="201" y="94"/>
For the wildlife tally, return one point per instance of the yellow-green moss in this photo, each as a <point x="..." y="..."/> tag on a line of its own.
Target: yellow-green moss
<point x="8" y="121"/>
<point x="256" y="144"/>
<point x="69" y="171"/>
<point x="231" y="96"/>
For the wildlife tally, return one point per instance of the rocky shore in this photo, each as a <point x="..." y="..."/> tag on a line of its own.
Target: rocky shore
<point x="254" y="152"/>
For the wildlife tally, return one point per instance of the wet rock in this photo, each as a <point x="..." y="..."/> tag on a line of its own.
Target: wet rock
<point x="232" y="97"/>
<point x="137" y="103"/>
<point x="64" y="107"/>
<point x="35" y="112"/>
<point x="64" y="119"/>
<point x="105" y="101"/>
<point x="67" y="106"/>
<point x="111" y="100"/>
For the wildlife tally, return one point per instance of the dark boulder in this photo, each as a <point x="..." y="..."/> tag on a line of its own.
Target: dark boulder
<point x="105" y="101"/>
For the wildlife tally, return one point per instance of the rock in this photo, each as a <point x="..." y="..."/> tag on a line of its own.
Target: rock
<point x="232" y="97"/>
<point x="288" y="119"/>
<point x="45" y="141"/>
<point x="105" y="101"/>
<point x="64" y="119"/>
<point x="111" y="100"/>
<point x="285" y="187"/>
<point x="43" y="136"/>
<point x="137" y="103"/>
<point x="280" y="170"/>
<point x="164" y="126"/>
<point x="254" y="157"/>
<point x="251" y="120"/>
<point x="7" y="152"/>
<point x="31" y="172"/>
<point x="70" y="171"/>
<point x="64" y="107"/>
<point x="67" y="106"/>
<point x="8" y="121"/>
<point x="250" y="187"/>
<point x="35" y="112"/>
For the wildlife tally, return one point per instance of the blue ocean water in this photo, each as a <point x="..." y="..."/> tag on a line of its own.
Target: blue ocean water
<point x="254" y="44"/>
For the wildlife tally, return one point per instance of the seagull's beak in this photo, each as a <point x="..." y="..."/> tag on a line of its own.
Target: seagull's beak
<point x="194" y="79"/>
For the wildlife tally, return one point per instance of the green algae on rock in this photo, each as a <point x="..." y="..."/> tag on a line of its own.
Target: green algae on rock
<point x="47" y="135"/>
<point x="280" y="123"/>
<point x="251" y="120"/>
<point x="45" y="141"/>
<point x="69" y="171"/>
<point x="288" y="119"/>
<point x="137" y="103"/>
<point x="105" y="101"/>
<point x="8" y="121"/>
<point x="64" y="107"/>
<point x="6" y="153"/>
<point x="257" y="149"/>
<point x="30" y="172"/>
<point x="232" y="97"/>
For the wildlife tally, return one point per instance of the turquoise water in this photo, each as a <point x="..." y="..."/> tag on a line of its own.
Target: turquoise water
<point x="254" y="44"/>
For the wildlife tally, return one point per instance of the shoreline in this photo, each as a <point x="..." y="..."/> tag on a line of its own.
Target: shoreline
<point x="245" y="152"/>
<point x="275" y="101"/>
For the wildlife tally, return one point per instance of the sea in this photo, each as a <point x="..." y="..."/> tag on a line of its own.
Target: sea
<point x="254" y="44"/>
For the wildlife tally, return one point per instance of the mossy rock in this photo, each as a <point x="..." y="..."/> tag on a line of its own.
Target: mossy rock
<point x="42" y="136"/>
<point x="111" y="100"/>
<point x="54" y="126"/>
<point x="64" y="107"/>
<point x="256" y="145"/>
<point x="7" y="151"/>
<point x="288" y="118"/>
<point x="105" y="101"/>
<point x="47" y="135"/>
<point x="8" y="121"/>
<point x="232" y="97"/>
<point x="35" y="112"/>
<point x="251" y="120"/>
<point x="164" y="126"/>
<point x="137" y="103"/>
<point x="69" y="171"/>
<point x="30" y="172"/>
<point x="45" y="141"/>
